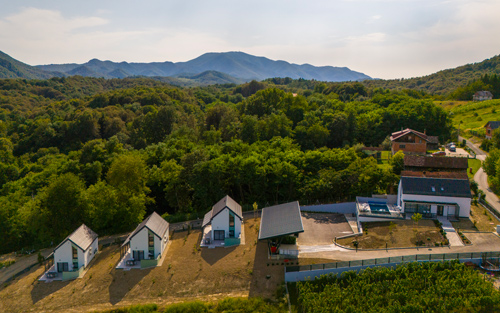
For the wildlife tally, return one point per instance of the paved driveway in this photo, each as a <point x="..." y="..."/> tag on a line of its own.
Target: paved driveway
<point x="322" y="228"/>
<point x="459" y="153"/>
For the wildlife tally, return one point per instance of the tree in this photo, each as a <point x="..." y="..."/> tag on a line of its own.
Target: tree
<point x="128" y="174"/>
<point x="398" y="162"/>
<point x="63" y="205"/>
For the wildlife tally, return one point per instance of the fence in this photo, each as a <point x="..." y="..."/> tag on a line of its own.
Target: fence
<point x="150" y="262"/>
<point x="344" y="208"/>
<point x="228" y="242"/>
<point x="298" y="273"/>
<point x="490" y="208"/>
<point x="72" y="275"/>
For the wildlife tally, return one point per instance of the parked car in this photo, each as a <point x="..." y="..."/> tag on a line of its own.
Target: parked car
<point x="453" y="148"/>
<point x="439" y="153"/>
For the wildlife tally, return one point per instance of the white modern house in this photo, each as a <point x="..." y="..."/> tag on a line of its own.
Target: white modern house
<point x="223" y="223"/>
<point x="77" y="250"/>
<point x="435" y="196"/>
<point x="72" y="255"/>
<point x="146" y="242"/>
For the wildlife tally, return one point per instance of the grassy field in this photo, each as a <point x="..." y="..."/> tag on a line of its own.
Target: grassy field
<point x="484" y="221"/>
<point x="377" y="234"/>
<point x="469" y="115"/>
<point x="475" y="164"/>
<point x="383" y="162"/>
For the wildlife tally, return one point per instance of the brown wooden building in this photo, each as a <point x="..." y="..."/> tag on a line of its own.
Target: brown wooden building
<point x="413" y="142"/>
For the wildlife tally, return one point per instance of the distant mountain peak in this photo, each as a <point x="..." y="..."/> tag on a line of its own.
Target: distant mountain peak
<point x="238" y="64"/>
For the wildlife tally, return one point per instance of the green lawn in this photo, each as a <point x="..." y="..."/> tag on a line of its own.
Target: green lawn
<point x="475" y="164"/>
<point x="473" y="115"/>
<point x="383" y="163"/>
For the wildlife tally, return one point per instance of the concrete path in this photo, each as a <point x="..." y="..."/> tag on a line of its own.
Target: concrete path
<point x="322" y="248"/>
<point x="353" y="222"/>
<point x="451" y="233"/>
<point x="482" y="179"/>
<point x="480" y="242"/>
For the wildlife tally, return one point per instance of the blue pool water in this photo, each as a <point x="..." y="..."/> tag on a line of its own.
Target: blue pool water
<point x="378" y="208"/>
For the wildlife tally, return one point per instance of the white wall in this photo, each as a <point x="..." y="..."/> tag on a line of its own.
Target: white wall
<point x="464" y="203"/>
<point x="221" y="222"/>
<point x="140" y="242"/>
<point x="64" y="254"/>
<point x="91" y="252"/>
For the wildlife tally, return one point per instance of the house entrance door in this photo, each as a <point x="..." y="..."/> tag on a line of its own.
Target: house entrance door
<point x="62" y="267"/>
<point x="219" y="235"/>
<point x="440" y="210"/>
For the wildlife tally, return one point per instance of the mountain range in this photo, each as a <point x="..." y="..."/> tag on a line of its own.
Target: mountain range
<point x="235" y="67"/>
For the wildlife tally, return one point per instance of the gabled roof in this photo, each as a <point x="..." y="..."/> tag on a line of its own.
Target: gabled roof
<point x="401" y="133"/>
<point x="82" y="237"/>
<point x="280" y="220"/>
<point x="443" y="187"/>
<point x="226" y="202"/>
<point x="483" y="93"/>
<point x="493" y="124"/>
<point x="155" y="223"/>
<point x="441" y="162"/>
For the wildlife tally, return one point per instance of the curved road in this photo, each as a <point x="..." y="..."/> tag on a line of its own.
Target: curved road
<point x="481" y="178"/>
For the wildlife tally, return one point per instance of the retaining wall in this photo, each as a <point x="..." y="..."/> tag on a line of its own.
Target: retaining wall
<point x="343" y="208"/>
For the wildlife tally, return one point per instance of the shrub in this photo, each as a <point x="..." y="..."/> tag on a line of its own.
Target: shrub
<point x="289" y="240"/>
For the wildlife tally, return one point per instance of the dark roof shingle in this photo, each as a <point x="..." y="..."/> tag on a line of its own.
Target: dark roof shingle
<point x="442" y="187"/>
<point x="154" y="223"/>
<point x="226" y="202"/>
<point x="493" y="124"/>
<point x="280" y="220"/>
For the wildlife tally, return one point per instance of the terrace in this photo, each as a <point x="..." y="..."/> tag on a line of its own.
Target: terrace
<point x="379" y="208"/>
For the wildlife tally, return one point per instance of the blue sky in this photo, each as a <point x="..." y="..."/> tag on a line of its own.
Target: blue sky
<point x="381" y="38"/>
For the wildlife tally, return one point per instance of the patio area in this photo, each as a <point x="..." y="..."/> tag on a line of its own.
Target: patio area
<point x="48" y="276"/>
<point x="127" y="262"/>
<point x="375" y="207"/>
<point x="207" y="242"/>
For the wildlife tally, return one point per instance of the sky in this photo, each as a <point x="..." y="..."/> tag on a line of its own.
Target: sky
<point x="381" y="38"/>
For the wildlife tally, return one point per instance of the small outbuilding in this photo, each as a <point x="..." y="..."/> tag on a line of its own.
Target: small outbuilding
<point x="482" y="95"/>
<point x="278" y="222"/>
<point x="490" y="127"/>
<point x="222" y="224"/>
<point x="146" y="242"/>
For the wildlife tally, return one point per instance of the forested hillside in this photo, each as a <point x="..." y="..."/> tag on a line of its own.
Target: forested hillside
<point x="443" y="82"/>
<point x="107" y="152"/>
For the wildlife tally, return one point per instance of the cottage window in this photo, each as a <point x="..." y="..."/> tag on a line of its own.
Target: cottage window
<point x="75" y="253"/>
<point x="402" y="146"/>
<point x="231" y="220"/>
<point x="488" y="131"/>
<point x="151" y="240"/>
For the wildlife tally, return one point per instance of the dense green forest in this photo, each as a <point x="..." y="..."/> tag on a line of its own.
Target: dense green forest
<point x="108" y="152"/>
<point x="445" y="83"/>
<point x="412" y="287"/>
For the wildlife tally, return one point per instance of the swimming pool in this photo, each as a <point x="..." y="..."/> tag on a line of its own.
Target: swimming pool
<point x="379" y="208"/>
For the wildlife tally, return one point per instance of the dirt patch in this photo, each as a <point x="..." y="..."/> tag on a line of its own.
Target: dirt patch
<point x="479" y="220"/>
<point x="187" y="273"/>
<point x="322" y="228"/>
<point x="402" y="234"/>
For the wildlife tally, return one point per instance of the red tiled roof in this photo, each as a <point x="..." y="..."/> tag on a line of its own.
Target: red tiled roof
<point x="450" y="175"/>
<point x="435" y="162"/>
<point x="401" y="133"/>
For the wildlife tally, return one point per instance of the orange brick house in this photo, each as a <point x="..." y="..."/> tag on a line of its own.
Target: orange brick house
<point x="490" y="127"/>
<point x="412" y="142"/>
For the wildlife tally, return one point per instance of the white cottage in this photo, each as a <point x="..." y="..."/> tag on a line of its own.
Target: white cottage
<point x="435" y="196"/>
<point x="149" y="239"/>
<point x="76" y="251"/>
<point x="224" y="220"/>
